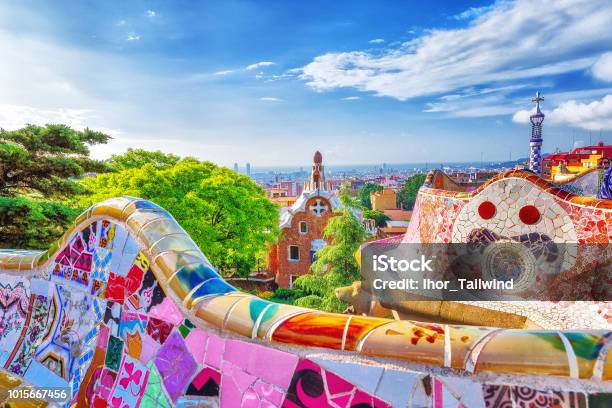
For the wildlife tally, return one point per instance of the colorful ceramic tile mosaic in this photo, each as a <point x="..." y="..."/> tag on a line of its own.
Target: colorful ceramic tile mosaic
<point x="125" y="311"/>
<point x="519" y="207"/>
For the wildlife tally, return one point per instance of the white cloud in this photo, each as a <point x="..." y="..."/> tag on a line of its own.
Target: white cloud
<point x="593" y="115"/>
<point x="69" y="87"/>
<point x="509" y="43"/>
<point x="270" y="99"/>
<point x="473" y="12"/>
<point x="478" y="102"/>
<point x="259" y="65"/>
<point x="522" y="116"/>
<point x="377" y="41"/>
<point x="132" y="36"/>
<point x="17" y="116"/>
<point x="223" y="73"/>
<point x="285" y="75"/>
<point x="150" y="14"/>
<point x="351" y="98"/>
<point x="602" y="69"/>
<point x="121" y="22"/>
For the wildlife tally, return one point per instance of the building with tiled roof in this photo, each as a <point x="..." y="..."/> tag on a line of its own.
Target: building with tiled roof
<point x="302" y="227"/>
<point x="559" y="167"/>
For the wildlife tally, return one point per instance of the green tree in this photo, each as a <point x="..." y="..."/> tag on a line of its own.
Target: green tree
<point x="378" y="216"/>
<point x="225" y="213"/>
<point x="46" y="159"/>
<point x="136" y="158"/>
<point x="38" y="168"/>
<point x="364" y="192"/>
<point x="335" y="265"/>
<point x="32" y="224"/>
<point x="409" y="191"/>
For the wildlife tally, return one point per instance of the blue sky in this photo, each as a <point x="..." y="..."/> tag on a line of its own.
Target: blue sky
<point x="269" y="82"/>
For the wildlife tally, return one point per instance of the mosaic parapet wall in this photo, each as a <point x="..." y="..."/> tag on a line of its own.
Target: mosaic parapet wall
<point x="520" y="207"/>
<point x="126" y="311"/>
<point x="510" y="205"/>
<point x="587" y="183"/>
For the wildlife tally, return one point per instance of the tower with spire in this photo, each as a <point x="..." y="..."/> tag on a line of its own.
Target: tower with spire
<point x="317" y="177"/>
<point x="535" y="157"/>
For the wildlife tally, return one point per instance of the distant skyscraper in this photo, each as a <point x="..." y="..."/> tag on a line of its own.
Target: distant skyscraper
<point x="248" y="169"/>
<point x="535" y="158"/>
<point x="236" y="167"/>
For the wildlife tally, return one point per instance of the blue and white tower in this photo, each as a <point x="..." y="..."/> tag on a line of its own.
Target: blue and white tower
<point x="535" y="158"/>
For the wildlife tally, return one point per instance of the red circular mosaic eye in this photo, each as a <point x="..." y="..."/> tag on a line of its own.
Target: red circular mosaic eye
<point x="487" y="210"/>
<point x="529" y="215"/>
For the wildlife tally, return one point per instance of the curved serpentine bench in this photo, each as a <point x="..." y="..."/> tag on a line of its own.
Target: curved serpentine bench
<point x="141" y="238"/>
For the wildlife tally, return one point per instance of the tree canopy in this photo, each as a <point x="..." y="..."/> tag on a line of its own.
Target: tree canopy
<point x="44" y="160"/>
<point x="363" y="195"/>
<point x="335" y="265"/>
<point x="379" y="217"/>
<point x="38" y="168"/>
<point x="136" y="158"/>
<point x="225" y="213"/>
<point x="33" y="224"/>
<point x="409" y="191"/>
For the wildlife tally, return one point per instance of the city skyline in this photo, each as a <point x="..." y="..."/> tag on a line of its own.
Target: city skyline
<point x="270" y="83"/>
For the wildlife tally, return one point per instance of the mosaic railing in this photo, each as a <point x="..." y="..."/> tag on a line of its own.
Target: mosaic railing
<point x="434" y="184"/>
<point x="125" y="305"/>
<point x="518" y="206"/>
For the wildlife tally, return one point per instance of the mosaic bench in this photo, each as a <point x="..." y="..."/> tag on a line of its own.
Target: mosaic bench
<point x="125" y="311"/>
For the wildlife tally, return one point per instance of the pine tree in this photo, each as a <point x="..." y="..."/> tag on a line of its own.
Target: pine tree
<point x="335" y="265"/>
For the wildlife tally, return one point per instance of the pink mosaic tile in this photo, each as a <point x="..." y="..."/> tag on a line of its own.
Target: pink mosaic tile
<point x="214" y="351"/>
<point x="168" y="312"/>
<point x="276" y="373"/>
<point x="149" y="348"/>
<point x="268" y="392"/>
<point x="196" y="344"/>
<point x="103" y="337"/>
<point x="239" y="352"/>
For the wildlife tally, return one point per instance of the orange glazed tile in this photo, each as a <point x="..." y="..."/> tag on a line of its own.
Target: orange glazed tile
<point x="282" y="312"/>
<point x="607" y="370"/>
<point x="564" y="195"/>
<point x="317" y="329"/>
<point x="99" y="210"/>
<point x="586" y="201"/>
<point x="462" y="339"/>
<point x="604" y="204"/>
<point x="358" y="327"/>
<point x="542" y="183"/>
<point x="533" y="179"/>
<point x="10" y="262"/>
<point x="415" y="342"/>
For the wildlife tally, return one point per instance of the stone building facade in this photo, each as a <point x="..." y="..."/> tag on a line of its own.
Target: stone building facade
<point x="302" y="227"/>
